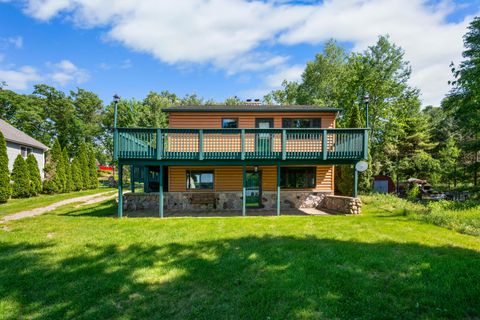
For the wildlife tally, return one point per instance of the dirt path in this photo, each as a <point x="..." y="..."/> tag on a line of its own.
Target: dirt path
<point x="90" y="199"/>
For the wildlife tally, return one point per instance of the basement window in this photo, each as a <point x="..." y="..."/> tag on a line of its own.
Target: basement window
<point x="200" y="180"/>
<point x="297" y="178"/>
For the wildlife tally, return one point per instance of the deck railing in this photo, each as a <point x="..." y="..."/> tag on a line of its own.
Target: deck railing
<point x="240" y="144"/>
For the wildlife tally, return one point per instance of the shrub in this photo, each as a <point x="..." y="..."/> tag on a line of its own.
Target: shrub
<point x="413" y="192"/>
<point x="54" y="170"/>
<point x="21" y="179"/>
<point x="76" y="175"/>
<point x="34" y="174"/>
<point x="83" y="161"/>
<point x="92" y="168"/>
<point x="5" y="188"/>
<point x="68" y="171"/>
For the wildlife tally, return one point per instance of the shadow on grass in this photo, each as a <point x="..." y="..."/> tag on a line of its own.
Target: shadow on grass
<point x="247" y="278"/>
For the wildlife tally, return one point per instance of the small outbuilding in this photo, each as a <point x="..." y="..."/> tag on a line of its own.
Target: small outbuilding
<point x="383" y="184"/>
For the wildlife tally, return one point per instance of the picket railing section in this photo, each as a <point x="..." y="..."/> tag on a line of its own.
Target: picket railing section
<point x="240" y="144"/>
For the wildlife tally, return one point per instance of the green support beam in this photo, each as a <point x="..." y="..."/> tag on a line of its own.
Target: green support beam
<point x="278" y="189"/>
<point x="120" y="190"/>
<point x="145" y="179"/>
<point x="160" y="191"/>
<point x="244" y="190"/>
<point x="355" y="183"/>
<point x="132" y="178"/>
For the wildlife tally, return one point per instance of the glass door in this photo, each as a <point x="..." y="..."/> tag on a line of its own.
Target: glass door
<point x="263" y="140"/>
<point x="253" y="189"/>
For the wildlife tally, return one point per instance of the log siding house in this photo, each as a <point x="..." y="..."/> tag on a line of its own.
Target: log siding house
<point x="236" y="157"/>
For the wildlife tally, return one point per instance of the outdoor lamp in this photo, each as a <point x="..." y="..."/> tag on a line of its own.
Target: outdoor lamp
<point x="116" y="99"/>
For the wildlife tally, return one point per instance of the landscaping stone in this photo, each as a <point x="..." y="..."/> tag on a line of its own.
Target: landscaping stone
<point x="341" y="204"/>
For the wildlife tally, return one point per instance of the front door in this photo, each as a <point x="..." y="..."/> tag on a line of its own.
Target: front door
<point x="253" y="189"/>
<point x="263" y="140"/>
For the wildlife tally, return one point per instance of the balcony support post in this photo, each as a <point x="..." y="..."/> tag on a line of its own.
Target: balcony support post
<point x="200" y="144"/>
<point x="242" y="144"/>
<point x="132" y="178"/>
<point x="324" y="144"/>
<point x="115" y="144"/>
<point x="278" y="188"/>
<point x="284" y="144"/>
<point x="355" y="182"/>
<point x="160" y="191"/>
<point x="120" y="190"/>
<point x="365" y="144"/>
<point x="244" y="189"/>
<point x="145" y="179"/>
<point x="159" y="145"/>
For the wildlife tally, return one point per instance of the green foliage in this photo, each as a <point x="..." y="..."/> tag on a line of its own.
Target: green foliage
<point x="34" y="175"/>
<point x="76" y="175"/>
<point x="68" y="171"/>
<point x="54" y="170"/>
<point x="21" y="179"/>
<point x="83" y="162"/>
<point x="413" y="192"/>
<point x="5" y="188"/>
<point x="92" y="168"/>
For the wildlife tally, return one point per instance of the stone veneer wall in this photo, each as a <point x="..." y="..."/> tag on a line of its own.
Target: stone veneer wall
<point x="341" y="204"/>
<point x="179" y="201"/>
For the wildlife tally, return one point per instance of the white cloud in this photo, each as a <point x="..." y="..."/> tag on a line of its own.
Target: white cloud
<point x="65" y="72"/>
<point x="235" y="35"/>
<point x="16" y="42"/>
<point x="20" y="78"/>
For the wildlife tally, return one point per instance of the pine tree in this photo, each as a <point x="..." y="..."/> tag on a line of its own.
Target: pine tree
<point x="34" y="173"/>
<point x="83" y="160"/>
<point x="92" y="168"/>
<point x="68" y="171"/>
<point x="54" y="171"/>
<point x="5" y="188"/>
<point x="21" y="179"/>
<point x="76" y="175"/>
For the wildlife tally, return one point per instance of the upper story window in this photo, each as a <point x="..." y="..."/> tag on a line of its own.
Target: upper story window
<point x="25" y="151"/>
<point x="200" y="179"/>
<point x="298" y="123"/>
<point x="230" y="123"/>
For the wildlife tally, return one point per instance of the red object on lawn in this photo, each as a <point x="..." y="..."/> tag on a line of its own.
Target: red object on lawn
<point x="105" y="168"/>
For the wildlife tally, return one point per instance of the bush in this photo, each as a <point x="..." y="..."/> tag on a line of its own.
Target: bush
<point x="68" y="171"/>
<point x="5" y="188"/>
<point x="21" y="179"/>
<point x="92" y="168"/>
<point x="54" y="170"/>
<point x="413" y="192"/>
<point x="34" y="174"/>
<point x="76" y="175"/>
<point x="83" y="162"/>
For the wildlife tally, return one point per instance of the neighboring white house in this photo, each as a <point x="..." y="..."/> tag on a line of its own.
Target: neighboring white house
<point x="18" y="142"/>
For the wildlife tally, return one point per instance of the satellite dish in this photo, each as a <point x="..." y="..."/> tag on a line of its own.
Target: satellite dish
<point x="361" y="166"/>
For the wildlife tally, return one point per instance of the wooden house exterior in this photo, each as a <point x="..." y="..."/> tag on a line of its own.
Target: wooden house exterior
<point x="238" y="157"/>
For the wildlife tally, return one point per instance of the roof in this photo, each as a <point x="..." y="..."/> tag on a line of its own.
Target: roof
<point x="12" y="134"/>
<point x="251" y="108"/>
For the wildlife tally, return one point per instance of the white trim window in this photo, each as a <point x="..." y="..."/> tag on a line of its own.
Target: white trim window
<point x="25" y="151"/>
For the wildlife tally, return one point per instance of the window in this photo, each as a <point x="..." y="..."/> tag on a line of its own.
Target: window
<point x="301" y="123"/>
<point x="25" y="151"/>
<point x="297" y="178"/>
<point x="229" y="123"/>
<point x="199" y="179"/>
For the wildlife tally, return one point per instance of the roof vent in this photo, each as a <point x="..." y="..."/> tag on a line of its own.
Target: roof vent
<point x="252" y="102"/>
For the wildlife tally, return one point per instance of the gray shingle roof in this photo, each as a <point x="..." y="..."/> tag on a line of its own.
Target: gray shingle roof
<point x="251" y="108"/>
<point x="12" y="134"/>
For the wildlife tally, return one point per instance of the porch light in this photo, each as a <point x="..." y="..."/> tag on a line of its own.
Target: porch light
<point x="366" y="100"/>
<point x="255" y="168"/>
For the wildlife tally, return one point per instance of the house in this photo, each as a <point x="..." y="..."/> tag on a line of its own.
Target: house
<point x="18" y="142"/>
<point x="237" y="157"/>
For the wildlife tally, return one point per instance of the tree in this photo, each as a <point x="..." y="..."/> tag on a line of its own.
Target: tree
<point x="34" y="174"/>
<point x="54" y="170"/>
<point x="68" y="171"/>
<point x="76" y="175"/>
<point x="20" y="178"/>
<point x="83" y="161"/>
<point x="92" y="168"/>
<point x="5" y="188"/>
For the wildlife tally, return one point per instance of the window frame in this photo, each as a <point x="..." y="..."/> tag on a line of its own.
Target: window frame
<point x="312" y="122"/>
<point x="28" y="151"/>
<point x="284" y="177"/>
<point x="234" y="119"/>
<point x="188" y="174"/>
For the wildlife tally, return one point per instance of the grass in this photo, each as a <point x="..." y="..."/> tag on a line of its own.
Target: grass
<point x="463" y="217"/>
<point x="83" y="263"/>
<point x="43" y="200"/>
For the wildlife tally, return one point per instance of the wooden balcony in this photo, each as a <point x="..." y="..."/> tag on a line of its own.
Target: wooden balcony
<point x="346" y="145"/>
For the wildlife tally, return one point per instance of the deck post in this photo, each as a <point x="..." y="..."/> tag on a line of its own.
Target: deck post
<point x="278" y="189"/>
<point x="120" y="190"/>
<point x="160" y="191"/>
<point x="145" y="179"/>
<point x="355" y="182"/>
<point x="365" y="144"/>
<point x="200" y="144"/>
<point x="159" y="144"/>
<point x="132" y="178"/>
<point x="244" y="190"/>
<point x="324" y="144"/>
<point x="284" y="144"/>
<point x="242" y="134"/>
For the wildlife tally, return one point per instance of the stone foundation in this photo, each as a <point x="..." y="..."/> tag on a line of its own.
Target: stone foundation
<point x="223" y="201"/>
<point x="341" y="204"/>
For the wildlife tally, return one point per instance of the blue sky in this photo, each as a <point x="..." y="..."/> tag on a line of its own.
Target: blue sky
<point x="216" y="48"/>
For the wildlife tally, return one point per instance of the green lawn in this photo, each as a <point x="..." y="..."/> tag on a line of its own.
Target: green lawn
<point x="43" y="200"/>
<point x="85" y="264"/>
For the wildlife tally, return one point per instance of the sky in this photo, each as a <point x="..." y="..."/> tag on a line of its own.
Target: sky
<point x="216" y="48"/>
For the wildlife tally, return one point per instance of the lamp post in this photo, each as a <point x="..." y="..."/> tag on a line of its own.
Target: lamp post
<point x="116" y="99"/>
<point x="366" y="100"/>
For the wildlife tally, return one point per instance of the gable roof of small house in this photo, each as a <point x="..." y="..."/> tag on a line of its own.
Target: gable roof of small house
<point x="251" y="108"/>
<point x="12" y="134"/>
